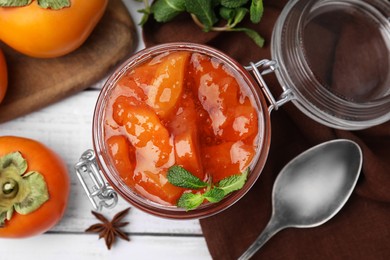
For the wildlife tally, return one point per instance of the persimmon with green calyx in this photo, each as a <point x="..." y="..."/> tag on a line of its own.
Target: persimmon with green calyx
<point x="20" y="191"/>
<point x="48" y="28"/>
<point x="34" y="187"/>
<point x="3" y="76"/>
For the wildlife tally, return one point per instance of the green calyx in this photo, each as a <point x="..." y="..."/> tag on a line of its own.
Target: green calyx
<point x="20" y="191"/>
<point x="47" y="4"/>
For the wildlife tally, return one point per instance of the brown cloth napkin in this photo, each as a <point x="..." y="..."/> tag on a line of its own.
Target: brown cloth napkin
<point x="361" y="230"/>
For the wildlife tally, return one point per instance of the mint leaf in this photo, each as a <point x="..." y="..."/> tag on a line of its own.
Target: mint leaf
<point x="180" y="177"/>
<point x="233" y="16"/>
<point x="166" y="10"/>
<point x="233" y="183"/>
<point x="233" y="3"/>
<point x="203" y="10"/>
<point x="256" y="10"/>
<point x="214" y="195"/>
<point x="226" y="13"/>
<point x="252" y="34"/>
<point x="190" y="201"/>
<point x="240" y="14"/>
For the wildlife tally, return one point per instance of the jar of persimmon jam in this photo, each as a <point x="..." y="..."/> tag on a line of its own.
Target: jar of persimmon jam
<point x="183" y="105"/>
<point x="191" y="107"/>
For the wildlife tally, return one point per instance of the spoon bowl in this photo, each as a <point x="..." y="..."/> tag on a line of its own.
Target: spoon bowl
<point x="312" y="188"/>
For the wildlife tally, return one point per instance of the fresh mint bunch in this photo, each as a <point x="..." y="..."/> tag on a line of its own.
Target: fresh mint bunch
<point x="207" y="13"/>
<point x="180" y="177"/>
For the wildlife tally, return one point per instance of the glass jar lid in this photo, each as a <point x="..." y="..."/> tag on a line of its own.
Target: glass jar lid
<point x="335" y="57"/>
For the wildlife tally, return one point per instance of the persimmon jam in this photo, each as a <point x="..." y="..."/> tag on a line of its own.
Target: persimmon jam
<point x="179" y="108"/>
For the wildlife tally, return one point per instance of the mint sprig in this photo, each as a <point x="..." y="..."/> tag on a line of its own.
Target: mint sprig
<point x="180" y="177"/>
<point x="207" y="13"/>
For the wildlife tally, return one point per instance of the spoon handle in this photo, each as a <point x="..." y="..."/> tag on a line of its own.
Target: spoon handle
<point x="271" y="229"/>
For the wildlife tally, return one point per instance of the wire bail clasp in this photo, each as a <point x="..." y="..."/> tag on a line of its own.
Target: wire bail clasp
<point x="101" y="194"/>
<point x="264" y="67"/>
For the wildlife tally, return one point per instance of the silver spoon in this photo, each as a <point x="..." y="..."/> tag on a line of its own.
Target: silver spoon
<point x="312" y="188"/>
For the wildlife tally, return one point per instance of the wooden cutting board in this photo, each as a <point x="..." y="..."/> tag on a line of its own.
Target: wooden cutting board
<point x="36" y="83"/>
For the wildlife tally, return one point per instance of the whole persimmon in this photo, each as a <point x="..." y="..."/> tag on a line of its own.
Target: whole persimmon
<point x="48" y="28"/>
<point x="34" y="187"/>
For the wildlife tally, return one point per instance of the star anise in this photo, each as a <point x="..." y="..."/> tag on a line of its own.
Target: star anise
<point x="109" y="230"/>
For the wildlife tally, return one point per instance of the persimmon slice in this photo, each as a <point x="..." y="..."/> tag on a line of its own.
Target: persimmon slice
<point x="144" y="129"/>
<point x="167" y="84"/>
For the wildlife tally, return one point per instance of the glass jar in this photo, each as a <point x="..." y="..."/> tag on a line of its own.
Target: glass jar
<point x="99" y="158"/>
<point x="332" y="60"/>
<point x="334" y="55"/>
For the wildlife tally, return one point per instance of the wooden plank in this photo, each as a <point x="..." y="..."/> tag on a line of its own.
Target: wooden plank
<point x="84" y="247"/>
<point x="66" y="128"/>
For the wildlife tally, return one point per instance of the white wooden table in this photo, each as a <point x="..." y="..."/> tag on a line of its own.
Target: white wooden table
<point x="66" y="128"/>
